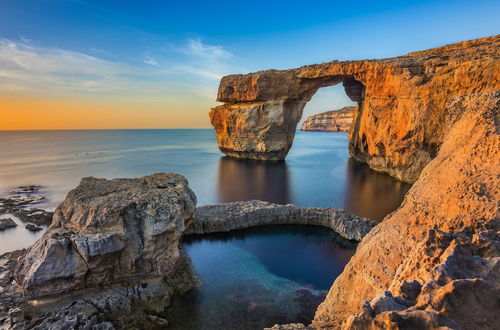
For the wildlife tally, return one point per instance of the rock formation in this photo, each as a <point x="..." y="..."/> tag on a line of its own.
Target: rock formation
<point x="113" y="245"/>
<point x="330" y="121"/>
<point x="7" y="223"/>
<point x="403" y="112"/>
<point x="20" y="203"/>
<point x="435" y="261"/>
<point x="108" y="232"/>
<point x="240" y="215"/>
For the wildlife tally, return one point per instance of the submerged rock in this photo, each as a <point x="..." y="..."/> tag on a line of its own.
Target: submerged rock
<point x="20" y="203"/>
<point x="239" y="215"/>
<point x="32" y="227"/>
<point x="7" y="223"/>
<point x="330" y="121"/>
<point x="107" y="232"/>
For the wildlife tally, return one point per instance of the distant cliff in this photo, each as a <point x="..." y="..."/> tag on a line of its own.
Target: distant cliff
<point x="330" y="121"/>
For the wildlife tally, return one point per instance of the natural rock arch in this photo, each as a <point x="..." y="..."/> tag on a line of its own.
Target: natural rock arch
<point x="401" y="120"/>
<point x="262" y="126"/>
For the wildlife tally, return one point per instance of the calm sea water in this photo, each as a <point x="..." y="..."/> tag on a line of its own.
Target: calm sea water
<point x="251" y="278"/>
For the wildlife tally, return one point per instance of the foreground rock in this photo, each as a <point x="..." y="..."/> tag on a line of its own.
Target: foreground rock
<point x="240" y="215"/>
<point x="435" y="261"/>
<point x="7" y="223"/>
<point x="113" y="247"/>
<point x="127" y="306"/>
<point x="330" y="121"/>
<point x="404" y="108"/>
<point x="107" y="232"/>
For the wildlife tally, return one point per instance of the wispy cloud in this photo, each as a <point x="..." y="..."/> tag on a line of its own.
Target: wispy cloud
<point x="150" y="61"/>
<point x="197" y="48"/>
<point x="27" y="66"/>
<point x="205" y="60"/>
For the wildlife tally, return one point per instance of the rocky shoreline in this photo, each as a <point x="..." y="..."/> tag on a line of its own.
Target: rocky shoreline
<point x="111" y="260"/>
<point x="21" y="203"/>
<point x="240" y="215"/>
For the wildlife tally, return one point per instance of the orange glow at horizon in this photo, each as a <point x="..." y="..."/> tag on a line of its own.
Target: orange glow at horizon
<point x="45" y="114"/>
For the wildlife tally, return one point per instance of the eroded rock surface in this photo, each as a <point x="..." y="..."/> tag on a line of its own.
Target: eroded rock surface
<point x="240" y="215"/>
<point x="127" y="306"/>
<point x="108" y="232"/>
<point x="330" y="121"/>
<point x="403" y="113"/>
<point x="435" y="261"/>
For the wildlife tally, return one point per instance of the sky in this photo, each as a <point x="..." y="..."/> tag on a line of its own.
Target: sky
<point x="88" y="64"/>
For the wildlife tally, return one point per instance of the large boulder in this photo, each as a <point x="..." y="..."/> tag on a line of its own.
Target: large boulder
<point x="108" y="232"/>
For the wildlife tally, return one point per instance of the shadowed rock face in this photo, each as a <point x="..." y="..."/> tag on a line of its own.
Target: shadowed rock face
<point x="330" y="121"/>
<point x="108" y="232"/>
<point x="403" y="112"/>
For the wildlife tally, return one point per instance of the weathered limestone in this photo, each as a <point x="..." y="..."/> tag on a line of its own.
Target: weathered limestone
<point x="108" y="232"/>
<point x="330" y="121"/>
<point x="435" y="261"/>
<point x="403" y="110"/>
<point x="259" y="130"/>
<point x="239" y="215"/>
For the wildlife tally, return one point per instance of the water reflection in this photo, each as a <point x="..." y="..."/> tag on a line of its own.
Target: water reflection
<point x="371" y="194"/>
<point x="317" y="180"/>
<point x="241" y="180"/>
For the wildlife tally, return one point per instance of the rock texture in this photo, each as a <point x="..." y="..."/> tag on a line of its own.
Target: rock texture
<point x="240" y="215"/>
<point x="127" y="306"/>
<point x="108" y="232"/>
<point x="404" y="108"/>
<point x="435" y="262"/>
<point x="330" y="121"/>
<point x="7" y="223"/>
<point x="20" y="203"/>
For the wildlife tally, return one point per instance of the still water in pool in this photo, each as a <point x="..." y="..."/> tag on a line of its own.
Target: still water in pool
<point x="255" y="278"/>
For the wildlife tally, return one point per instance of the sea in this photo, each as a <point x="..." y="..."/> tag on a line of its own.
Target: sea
<point x="250" y="278"/>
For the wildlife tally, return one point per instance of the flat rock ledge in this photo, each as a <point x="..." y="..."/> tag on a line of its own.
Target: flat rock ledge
<point x="109" y="259"/>
<point x="240" y="215"/>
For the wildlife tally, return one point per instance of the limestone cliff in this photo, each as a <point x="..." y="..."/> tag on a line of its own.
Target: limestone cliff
<point x="435" y="261"/>
<point x="330" y="121"/>
<point x="403" y="112"/>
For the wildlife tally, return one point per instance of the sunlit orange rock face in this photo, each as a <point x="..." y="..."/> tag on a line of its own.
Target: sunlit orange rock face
<point x="432" y="118"/>
<point x="435" y="261"/>
<point x="403" y="104"/>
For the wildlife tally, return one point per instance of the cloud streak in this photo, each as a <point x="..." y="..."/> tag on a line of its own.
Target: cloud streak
<point x="28" y="67"/>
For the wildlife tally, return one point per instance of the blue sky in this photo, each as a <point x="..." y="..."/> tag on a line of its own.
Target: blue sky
<point x="174" y="53"/>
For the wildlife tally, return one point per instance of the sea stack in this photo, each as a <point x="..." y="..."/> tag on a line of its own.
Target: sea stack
<point x="330" y="121"/>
